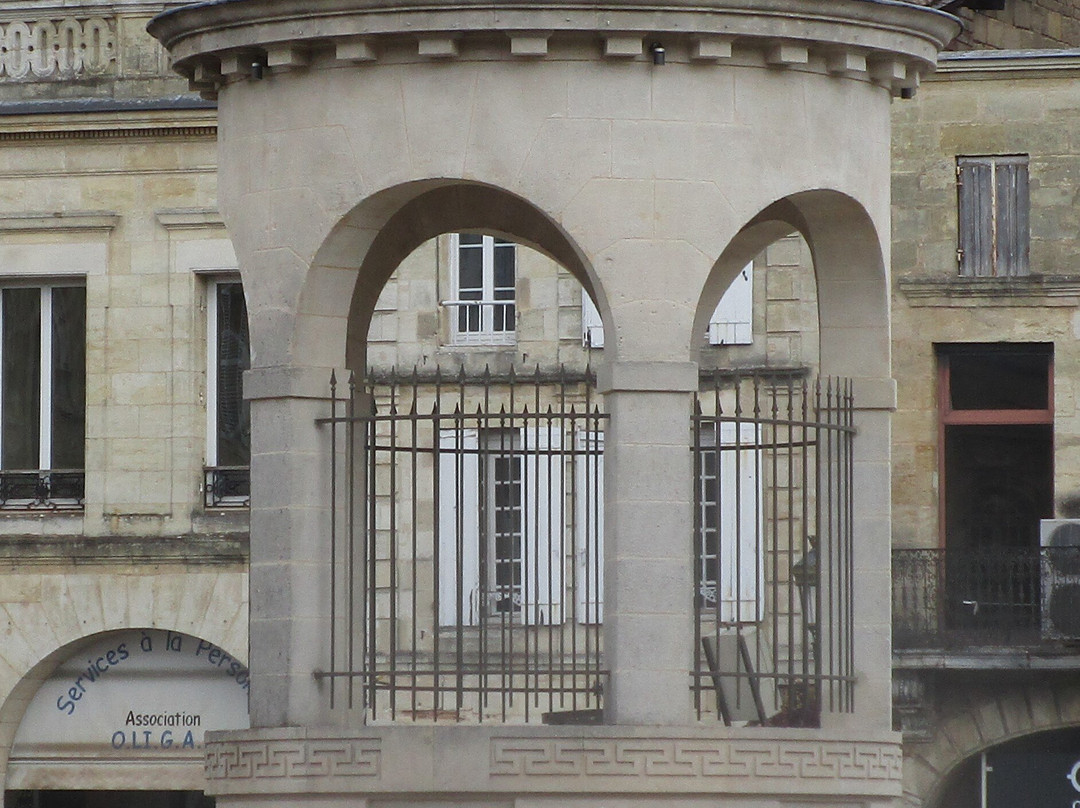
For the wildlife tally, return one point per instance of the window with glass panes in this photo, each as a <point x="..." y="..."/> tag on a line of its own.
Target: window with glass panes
<point x="43" y="378"/>
<point x="228" y="452"/>
<point x="484" y="270"/>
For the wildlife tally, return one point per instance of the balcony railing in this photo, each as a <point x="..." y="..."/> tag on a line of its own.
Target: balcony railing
<point x="226" y="486"/>
<point x="1010" y="596"/>
<point x="45" y="489"/>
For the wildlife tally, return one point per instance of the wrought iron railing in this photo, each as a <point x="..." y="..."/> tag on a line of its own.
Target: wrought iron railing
<point x="773" y="547"/>
<point x="44" y="489"/>
<point x="468" y="559"/>
<point x="226" y="486"/>
<point x="1007" y="596"/>
<point x="467" y="579"/>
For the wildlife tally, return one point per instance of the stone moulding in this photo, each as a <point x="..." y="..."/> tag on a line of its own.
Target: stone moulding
<point x="1027" y="290"/>
<point x="519" y="760"/>
<point x="44" y="49"/>
<point x="890" y="44"/>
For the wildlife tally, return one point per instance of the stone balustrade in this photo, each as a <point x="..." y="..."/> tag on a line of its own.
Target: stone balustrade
<point x="43" y="50"/>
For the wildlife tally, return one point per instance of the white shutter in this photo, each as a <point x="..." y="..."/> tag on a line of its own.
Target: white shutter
<point x="742" y="563"/>
<point x="592" y="327"/>
<point x="732" y="323"/>
<point x="545" y="546"/>
<point x="589" y="526"/>
<point x="459" y="527"/>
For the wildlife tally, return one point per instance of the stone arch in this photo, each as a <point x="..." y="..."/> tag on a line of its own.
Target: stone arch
<point x="79" y="608"/>
<point x="366" y="246"/>
<point x="979" y="724"/>
<point x="849" y="267"/>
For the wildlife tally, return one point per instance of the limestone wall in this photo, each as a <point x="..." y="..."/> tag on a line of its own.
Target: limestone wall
<point x="986" y="108"/>
<point x="1022" y="25"/>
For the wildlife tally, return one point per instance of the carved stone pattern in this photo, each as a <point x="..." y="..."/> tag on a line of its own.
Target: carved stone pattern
<point x="57" y="50"/>
<point x="323" y="758"/>
<point x="530" y="757"/>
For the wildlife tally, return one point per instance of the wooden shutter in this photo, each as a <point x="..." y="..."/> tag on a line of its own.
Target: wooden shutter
<point x="975" y="197"/>
<point x="589" y="526"/>
<point x="592" y="328"/>
<point x="1011" y="196"/>
<point x="741" y="586"/>
<point x="459" y="527"/>
<point x="544" y="483"/>
<point x="732" y="323"/>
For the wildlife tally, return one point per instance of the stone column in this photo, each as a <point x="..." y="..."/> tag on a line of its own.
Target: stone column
<point x="648" y="564"/>
<point x="290" y="545"/>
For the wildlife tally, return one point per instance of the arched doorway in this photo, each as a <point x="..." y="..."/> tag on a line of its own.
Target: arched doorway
<point x="119" y="719"/>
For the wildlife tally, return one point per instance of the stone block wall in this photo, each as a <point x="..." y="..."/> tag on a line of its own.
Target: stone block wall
<point x="1021" y="25"/>
<point x="1017" y="107"/>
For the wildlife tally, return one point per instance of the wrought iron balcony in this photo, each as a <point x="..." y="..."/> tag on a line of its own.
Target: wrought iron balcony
<point x="44" y="489"/>
<point x="964" y="599"/>
<point x="226" y="487"/>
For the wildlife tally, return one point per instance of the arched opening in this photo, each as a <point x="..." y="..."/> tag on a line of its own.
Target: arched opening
<point x="774" y="465"/>
<point x="1035" y="770"/>
<point x="119" y="718"/>
<point x="474" y="399"/>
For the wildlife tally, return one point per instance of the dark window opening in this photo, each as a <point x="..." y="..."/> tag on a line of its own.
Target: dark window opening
<point x="107" y="799"/>
<point x="997" y="480"/>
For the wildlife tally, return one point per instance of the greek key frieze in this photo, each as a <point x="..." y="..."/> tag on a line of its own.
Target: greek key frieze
<point x="48" y="49"/>
<point x="649" y="758"/>
<point x="322" y="758"/>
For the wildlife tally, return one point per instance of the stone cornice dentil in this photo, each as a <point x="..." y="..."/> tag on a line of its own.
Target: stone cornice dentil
<point x="889" y="43"/>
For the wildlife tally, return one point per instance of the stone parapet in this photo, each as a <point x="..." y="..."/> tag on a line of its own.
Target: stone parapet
<point x="573" y="762"/>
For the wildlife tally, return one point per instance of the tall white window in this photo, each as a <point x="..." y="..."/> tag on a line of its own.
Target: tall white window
<point x="730" y="562"/>
<point x="483" y="271"/>
<point x="501" y="538"/>
<point x="42" y="393"/>
<point x="228" y="418"/>
<point x="993" y="209"/>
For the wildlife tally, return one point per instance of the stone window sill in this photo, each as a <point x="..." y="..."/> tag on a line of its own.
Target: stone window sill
<point x="1029" y="290"/>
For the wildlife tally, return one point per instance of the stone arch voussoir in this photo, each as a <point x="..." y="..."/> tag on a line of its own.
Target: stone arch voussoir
<point x="981" y="725"/>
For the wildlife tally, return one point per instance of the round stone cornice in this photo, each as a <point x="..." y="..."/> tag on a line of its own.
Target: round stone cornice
<point x="890" y="43"/>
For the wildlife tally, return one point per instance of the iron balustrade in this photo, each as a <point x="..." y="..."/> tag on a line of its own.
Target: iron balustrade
<point x="226" y="486"/>
<point x="773" y="535"/>
<point x="466" y="581"/>
<point x="43" y="489"/>
<point x="468" y="560"/>
<point x="1004" y="596"/>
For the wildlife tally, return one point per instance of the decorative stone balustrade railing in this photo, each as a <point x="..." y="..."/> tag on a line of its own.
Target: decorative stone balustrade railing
<point x="57" y="49"/>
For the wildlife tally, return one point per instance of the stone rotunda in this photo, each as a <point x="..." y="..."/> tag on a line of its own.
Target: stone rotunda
<point x="652" y="148"/>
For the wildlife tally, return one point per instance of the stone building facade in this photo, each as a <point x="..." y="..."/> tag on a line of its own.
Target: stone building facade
<point x="109" y="245"/>
<point x="110" y="184"/>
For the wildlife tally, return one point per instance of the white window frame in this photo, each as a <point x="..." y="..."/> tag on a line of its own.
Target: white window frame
<point x="732" y="322"/>
<point x="486" y="334"/>
<point x="461" y="453"/>
<point x="45" y="393"/>
<point x="212" y="285"/>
